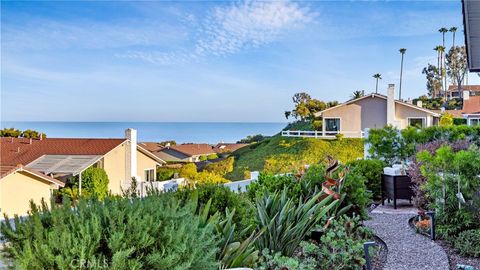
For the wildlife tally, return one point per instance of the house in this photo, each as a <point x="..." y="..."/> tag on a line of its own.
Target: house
<point x="470" y="110"/>
<point x="19" y="185"/>
<point x="472" y="90"/>
<point x="374" y="111"/>
<point x="222" y="148"/>
<point x="61" y="158"/>
<point x="189" y="152"/>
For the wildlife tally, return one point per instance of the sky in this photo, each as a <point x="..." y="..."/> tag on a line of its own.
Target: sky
<point x="209" y="61"/>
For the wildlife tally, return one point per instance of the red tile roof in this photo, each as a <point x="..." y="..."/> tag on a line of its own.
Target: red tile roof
<point x="471" y="105"/>
<point x="14" y="151"/>
<point x="229" y="147"/>
<point x="151" y="146"/>
<point x="474" y="88"/>
<point x="193" y="149"/>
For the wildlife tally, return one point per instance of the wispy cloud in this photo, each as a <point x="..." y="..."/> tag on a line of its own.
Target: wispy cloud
<point x="249" y="24"/>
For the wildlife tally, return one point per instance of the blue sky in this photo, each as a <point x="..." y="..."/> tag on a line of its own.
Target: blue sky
<point x="208" y="61"/>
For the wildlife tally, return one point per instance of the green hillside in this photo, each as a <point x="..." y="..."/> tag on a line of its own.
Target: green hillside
<point x="282" y="154"/>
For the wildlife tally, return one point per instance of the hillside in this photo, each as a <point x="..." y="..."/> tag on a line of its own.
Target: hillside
<point x="282" y="154"/>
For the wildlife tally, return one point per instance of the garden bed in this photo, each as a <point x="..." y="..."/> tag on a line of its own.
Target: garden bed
<point x="379" y="261"/>
<point x="454" y="258"/>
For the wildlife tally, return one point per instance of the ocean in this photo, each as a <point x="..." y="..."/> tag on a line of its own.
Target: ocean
<point x="181" y="132"/>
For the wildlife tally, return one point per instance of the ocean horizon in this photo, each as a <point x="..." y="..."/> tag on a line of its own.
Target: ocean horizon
<point x="181" y="132"/>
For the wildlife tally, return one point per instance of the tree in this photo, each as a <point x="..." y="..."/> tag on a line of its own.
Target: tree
<point x="402" y="52"/>
<point x="453" y="30"/>
<point x="457" y="65"/>
<point x="357" y="94"/>
<point x="377" y="77"/>
<point x="300" y="98"/>
<point x="443" y="30"/>
<point x="32" y="134"/>
<point x="10" y="132"/>
<point x="434" y="81"/>
<point x="288" y="114"/>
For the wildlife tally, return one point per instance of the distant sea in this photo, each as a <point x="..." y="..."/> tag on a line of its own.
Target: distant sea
<point x="181" y="132"/>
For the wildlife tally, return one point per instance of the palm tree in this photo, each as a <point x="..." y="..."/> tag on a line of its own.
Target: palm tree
<point x="402" y="51"/>
<point x="358" y="94"/>
<point x="443" y="30"/>
<point x="453" y="30"/>
<point x="441" y="50"/>
<point x="377" y="77"/>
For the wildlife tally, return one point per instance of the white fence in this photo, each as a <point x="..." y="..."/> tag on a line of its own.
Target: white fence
<point x="170" y="185"/>
<point x="321" y="134"/>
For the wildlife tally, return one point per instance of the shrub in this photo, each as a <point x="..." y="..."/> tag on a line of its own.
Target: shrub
<point x="459" y="121"/>
<point x="356" y="193"/>
<point x="287" y="222"/>
<point x="221" y="167"/>
<point x="165" y="173"/>
<point x="467" y="243"/>
<point x="150" y="233"/>
<point x="387" y="144"/>
<point x="203" y="158"/>
<point x="446" y="120"/>
<point x="222" y="198"/>
<point x="212" y="156"/>
<point x="371" y="170"/>
<point x="94" y="183"/>
<point x="341" y="247"/>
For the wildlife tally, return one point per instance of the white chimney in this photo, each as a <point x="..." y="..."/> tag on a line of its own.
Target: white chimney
<point x="420" y="103"/>
<point x="131" y="135"/>
<point x="391" y="105"/>
<point x="466" y="95"/>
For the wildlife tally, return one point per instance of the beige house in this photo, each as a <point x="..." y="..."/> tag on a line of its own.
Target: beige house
<point x="374" y="111"/>
<point x="19" y="185"/>
<point x="62" y="158"/>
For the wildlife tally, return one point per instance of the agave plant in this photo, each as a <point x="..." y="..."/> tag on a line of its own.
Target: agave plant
<point x="286" y="222"/>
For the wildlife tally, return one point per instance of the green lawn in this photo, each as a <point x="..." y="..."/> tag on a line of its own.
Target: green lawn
<point x="283" y="154"/>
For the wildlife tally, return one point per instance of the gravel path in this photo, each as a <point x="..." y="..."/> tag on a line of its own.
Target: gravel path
<point x="406" y="249"/>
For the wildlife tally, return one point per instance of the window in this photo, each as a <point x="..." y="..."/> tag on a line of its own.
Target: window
<point x="416" y="122"/>
<point x="150" y="175"/>
<point x="332" y="124"/>
<point x="474" y="121"/>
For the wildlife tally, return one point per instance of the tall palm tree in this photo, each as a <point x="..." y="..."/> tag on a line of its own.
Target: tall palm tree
<point x="437" y="49"/>
<point x="377" y="77"/>
<point x="402" y="51"/>
<point x="453" y="30"/>
<point x="441" y="50"/>
<point x="443" y="30"/>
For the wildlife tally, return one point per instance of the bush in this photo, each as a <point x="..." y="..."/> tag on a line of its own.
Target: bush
<point x="221" y="167"/>
<point x="341" y="247"/>
<point x="371" y="170"/>
<point x="94" y="183"/>
<point x="165" y="173"/>
<point x="212" y="156"/>
<point x="388" y="145"/>
<point x="222" y="198"/>
<point x="286" y="222"/>
<point x="459" y="121"/>
<point x="203" y="158"/>
<point x="356" y="193"/>
<point x="467" y="243"/>
<point x="446" y="120"/>
<point x="149" y="233"/>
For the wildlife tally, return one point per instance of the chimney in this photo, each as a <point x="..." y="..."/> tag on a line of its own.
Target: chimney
<point x="131" y="135"/>
<point x="391" y="105"/>
<point x="409" y="101"/>
<point x="420" y="103"/>
<point x="466" y="95"/>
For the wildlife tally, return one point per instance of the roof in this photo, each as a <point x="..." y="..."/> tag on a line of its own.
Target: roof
<point x="23" y="151"/>
<point x="374" y="95"/>
<point x="69" y="164"/>
<point x="229" y="147"/>
<point x="150" y="154"/>
<point x="474" y="88"/>
<point x="8" y="170"/>
<point x="151" y="146"/>
<point x="193" y="149"/>
<point x="471" y="105"/>
<point x="471" y="24"/>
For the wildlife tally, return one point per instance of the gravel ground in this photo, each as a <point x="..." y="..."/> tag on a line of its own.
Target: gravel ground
<point x="406" y="249"/>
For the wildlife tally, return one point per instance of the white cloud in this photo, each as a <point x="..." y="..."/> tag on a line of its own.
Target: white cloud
<point x="227" y="30"/>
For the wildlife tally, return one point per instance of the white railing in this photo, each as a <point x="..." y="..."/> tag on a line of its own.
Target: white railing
<point x="321" y="134"/>
<point x="170" y="185"/>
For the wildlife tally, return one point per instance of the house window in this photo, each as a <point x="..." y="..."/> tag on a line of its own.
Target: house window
<point x="149" y="175"/>
<point x="416" y="122"/>
<point x="332" y="124"/>
<point x="474" y="121"/>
